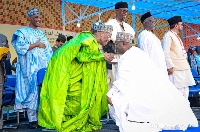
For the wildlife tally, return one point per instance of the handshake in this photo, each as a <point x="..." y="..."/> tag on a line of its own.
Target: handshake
<point x="108" y="57"/>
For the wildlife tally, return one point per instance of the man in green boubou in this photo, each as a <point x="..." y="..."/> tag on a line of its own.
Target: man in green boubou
<point x="73" y="94"/>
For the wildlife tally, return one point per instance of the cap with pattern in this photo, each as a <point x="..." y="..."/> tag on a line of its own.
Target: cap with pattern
<point x="33" y="11"/>
<point x="101" y="27"/>
<point x="124" y="37"/>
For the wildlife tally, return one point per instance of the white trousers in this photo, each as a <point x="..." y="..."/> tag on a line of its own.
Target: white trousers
<point x="32" y="115"/>
<point x="184" y="90"/>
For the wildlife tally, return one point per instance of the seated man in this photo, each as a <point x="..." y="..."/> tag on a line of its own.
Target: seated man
<point x="3" y="57"/>
<point x="4" y="43"/>
<point x="144" y="99"/>
<point x="59" y="42"/>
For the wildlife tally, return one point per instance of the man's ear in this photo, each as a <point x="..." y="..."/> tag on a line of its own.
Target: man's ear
<point x="116" y="11"/>
<point x="144" y="23"/>
<point x="29" y="18"/>
<point x="176" y="25"/>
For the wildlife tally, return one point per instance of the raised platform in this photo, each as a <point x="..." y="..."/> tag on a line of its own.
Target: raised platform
<point x="109" y="127"/>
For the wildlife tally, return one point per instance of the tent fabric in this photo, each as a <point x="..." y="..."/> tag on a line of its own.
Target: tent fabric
<point x="189" y="10"/>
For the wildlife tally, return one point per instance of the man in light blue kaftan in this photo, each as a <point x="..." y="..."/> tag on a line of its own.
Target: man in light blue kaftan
<point x="34" y="52"/>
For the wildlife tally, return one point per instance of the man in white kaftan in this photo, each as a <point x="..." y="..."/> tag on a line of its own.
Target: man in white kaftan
<point x="119" y="25"/>
<point x="144" y="99"/>
<point x="150" y="44"/>
<point x="176" y="57"/>
<point x="33" y="53"/>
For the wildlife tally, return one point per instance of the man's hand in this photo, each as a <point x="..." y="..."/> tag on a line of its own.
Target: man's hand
<point x="4" y="56"/>
<point x="108" y="56"/>
<point x="40" y="45"/>
<point x="170" y="71"/>
<point x="112" y="62"/>
<point x="109" y="101"/>
<point x="37" y="44"/>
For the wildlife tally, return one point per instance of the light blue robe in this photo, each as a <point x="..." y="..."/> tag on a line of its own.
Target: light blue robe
<point x="197" y="58"/>
<point x="29" y="62"/>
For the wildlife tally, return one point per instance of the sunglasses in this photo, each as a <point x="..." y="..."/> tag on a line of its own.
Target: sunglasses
<point x="124" y="10"/>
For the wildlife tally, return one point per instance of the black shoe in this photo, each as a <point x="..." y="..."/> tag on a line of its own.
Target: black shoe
<point x="33" y="125"/>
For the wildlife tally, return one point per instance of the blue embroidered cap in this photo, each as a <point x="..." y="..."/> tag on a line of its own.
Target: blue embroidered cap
<point x="33" y="11"/>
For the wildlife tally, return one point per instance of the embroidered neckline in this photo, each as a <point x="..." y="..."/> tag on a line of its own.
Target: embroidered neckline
<point x="177" y="37"/>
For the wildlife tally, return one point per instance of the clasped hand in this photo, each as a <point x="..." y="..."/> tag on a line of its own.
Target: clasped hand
<point x="109" y="101"/>
<point x="108" y="56"/>
<point x="40" y="44"/>
<point x="170" y="71"/>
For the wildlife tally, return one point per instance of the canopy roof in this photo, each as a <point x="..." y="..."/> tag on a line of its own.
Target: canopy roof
<point x="189" y="10"/>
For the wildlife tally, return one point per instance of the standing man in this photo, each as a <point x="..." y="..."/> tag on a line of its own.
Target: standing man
<point x="150" y="44"/>
<point x="73" y="95"/>
<point x="59" y="42"/>
<point x="119" y="25"/>
<point x="33" y="53"/>
<point x="176" y="57"/>
<point x="4" y="56"/>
